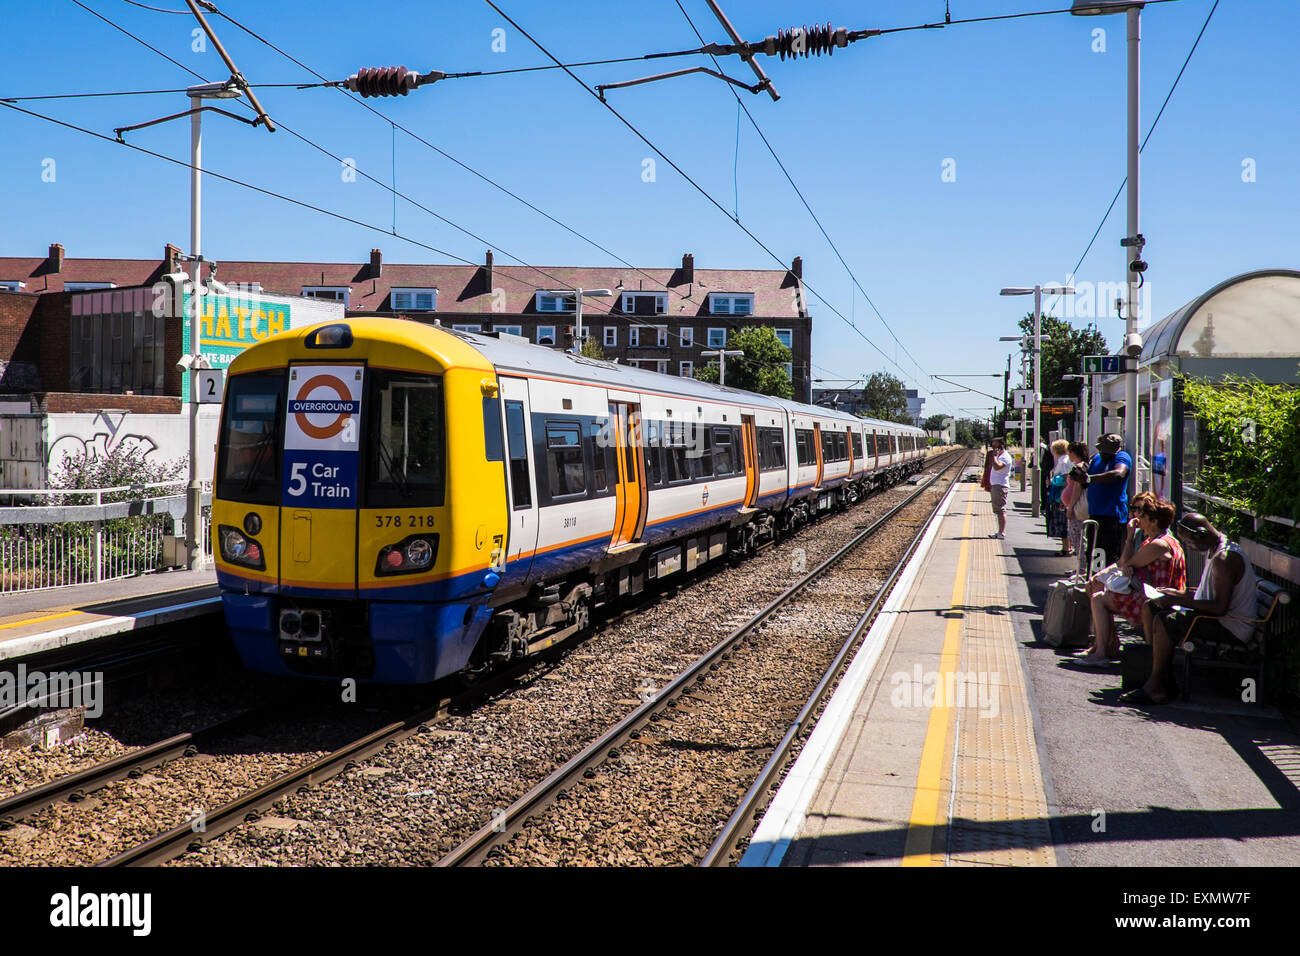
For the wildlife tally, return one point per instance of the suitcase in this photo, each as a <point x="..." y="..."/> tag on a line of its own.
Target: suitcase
<point x="1067" y="619"/>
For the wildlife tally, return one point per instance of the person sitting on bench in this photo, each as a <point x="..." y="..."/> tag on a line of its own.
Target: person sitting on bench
<point x="1158" y="561"/>
<point x="1226" y="591"/>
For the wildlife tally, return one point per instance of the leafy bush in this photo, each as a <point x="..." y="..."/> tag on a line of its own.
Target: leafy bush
<point x="1262" y="476"/>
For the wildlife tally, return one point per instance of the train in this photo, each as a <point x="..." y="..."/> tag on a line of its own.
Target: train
<point x="396" y="502"/>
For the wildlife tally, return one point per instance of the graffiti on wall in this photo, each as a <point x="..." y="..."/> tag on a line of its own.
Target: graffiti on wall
<point x="108" y="437"/>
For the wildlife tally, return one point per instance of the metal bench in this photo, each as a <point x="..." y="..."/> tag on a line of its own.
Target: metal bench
<point x="1235" y="654"/>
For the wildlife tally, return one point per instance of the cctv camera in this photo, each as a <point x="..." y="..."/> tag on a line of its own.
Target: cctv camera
<point x="1133" y="344"/>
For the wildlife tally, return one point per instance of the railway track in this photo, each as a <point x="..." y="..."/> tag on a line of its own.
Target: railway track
<point x="565" y="781"/>
<point x="249" y="806"/>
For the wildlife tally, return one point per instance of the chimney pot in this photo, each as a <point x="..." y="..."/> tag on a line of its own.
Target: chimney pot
<point x="796" y="267"/>
<point x="376" y="263"/>
<point x="487" y="271"/>
<point x="171" y="258"/>
<point x="56" y="257"/>
<point x="688" y="267"/>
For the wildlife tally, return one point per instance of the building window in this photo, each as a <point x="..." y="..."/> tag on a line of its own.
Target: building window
<point x="334" y="293"/>
<point x="117" y="352"/>
<point x="687" y="337"/>
<point x="468" y="328"/>
<point x="785" y="337"/>
<point x="731" y="304"/>
<point x="661" y="366"/>
<point x="554" y="303"/>
<point x="717" y="338"/>
<point x="611" y="335"/>
<point x="414" y="300"/>
<point x="508" y="329"/>
<point x="661" y="336"/>
<point x="87" y="286"/>
<point x="634" y="336"/>
<point x="12" y="285"/>
<point x="546" y="335"/>
<point x="686" y="369"/>
<point x="645" y="303"/>
<point x="789" y="370"/>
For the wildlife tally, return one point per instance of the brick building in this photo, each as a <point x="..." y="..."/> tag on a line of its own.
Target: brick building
<point x="660" y="319"/>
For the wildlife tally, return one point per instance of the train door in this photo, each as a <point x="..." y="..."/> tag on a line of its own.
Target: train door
<point x="750" y="441"/>
<point x="319" y="478"/>
<point x="521" y="542"/>
<point x="630" y="499"/>
<point x="817" y="450"/>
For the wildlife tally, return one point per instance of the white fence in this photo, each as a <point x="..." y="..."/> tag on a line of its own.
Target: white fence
<point x="76" y="537"/>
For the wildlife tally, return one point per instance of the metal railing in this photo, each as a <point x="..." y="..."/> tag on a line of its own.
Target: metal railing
<point x="77" y="537"/>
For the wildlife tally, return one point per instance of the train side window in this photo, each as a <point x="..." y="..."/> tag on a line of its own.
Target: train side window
<point x="566" y="472"/>
<point x="702" y="461"/>
<point x="724" y="452"/>
<point x="803" y="446"/>
<point x="517" y="439"/>
<point x="771" y="449"/>
<point x="857" y="446"/>
<point x="492" y="442"/>
<point x="599" y="441"/>
<point x="677" y="461"/>
<point x="653" y="444"/>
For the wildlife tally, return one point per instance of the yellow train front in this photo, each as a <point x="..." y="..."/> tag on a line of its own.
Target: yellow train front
<point x="338" y="550"/>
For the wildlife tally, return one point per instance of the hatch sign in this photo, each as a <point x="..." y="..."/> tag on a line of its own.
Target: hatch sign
<point x="321" y="428"/>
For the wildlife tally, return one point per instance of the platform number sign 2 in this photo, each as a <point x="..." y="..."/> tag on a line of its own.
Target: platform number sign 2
<point x="211" y="385"/>
<point x="321" y="429"/>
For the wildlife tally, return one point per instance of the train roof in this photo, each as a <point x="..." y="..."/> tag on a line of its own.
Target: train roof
<point x="518" y="354"/>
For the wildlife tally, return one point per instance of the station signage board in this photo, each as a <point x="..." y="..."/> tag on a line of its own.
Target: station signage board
<point x="322" y="424"/>
<point x="228" y="325"/>
<point x="1106" y="364"/>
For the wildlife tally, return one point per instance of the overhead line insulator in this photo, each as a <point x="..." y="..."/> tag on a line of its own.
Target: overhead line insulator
<point x="806" y="41"/>
<point x="383" y="81"/>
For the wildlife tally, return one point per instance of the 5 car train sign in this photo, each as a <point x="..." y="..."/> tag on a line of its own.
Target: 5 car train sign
<point x="321" y="429"/>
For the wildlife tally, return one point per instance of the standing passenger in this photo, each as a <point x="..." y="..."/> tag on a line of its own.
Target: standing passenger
<point x="1108" y="494"/>
<point x="998" y="464"/>
<point x="1057" y="520"/>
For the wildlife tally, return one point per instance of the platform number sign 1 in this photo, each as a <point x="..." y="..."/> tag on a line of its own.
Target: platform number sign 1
<point x="321" y="430"/>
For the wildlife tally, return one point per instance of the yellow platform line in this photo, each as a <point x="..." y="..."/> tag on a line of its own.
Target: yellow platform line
<point x="36" y="620"/>
<point x="924" y="819"/>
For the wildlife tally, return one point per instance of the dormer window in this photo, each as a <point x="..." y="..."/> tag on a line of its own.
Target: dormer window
<point x="645" y="303"/>
<point x="331" y="293"/>
<point x="414" y="300"/>
<point x="554" y="303"/>
<point x="12" y="285"/>
<point x="87" y="286"/>
<point x="727" y="303"/>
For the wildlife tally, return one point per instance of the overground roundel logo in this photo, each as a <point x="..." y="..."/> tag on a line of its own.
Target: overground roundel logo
<point x="302" y="406"/>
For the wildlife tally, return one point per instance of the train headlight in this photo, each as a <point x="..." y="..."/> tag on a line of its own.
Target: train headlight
<point x="239" y="549"/>
<point x="408" y="556"/>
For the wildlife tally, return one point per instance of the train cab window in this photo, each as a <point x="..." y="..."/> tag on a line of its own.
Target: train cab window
<point x="250" y="426"/>
<point x="493" y="444"/>
<point x="677" y="462"/>
<point x="702" y="459"/>
<point x="803" y="446"/>
<point x="566" y="472"/>
<point x="406" y="439"/>
<point x="857" y="446"/>
<point x="599" y="449"/>
<point x="517" y="445"/>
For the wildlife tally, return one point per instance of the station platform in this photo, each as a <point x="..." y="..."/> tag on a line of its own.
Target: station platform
<point x="958" y="738"/>
<point x="34" y="622"/>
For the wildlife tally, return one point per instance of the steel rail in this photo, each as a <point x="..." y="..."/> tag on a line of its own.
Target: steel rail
<point x="738" y="824"/>
<point x="77" y="785"/>
<point x="477" y="847"/>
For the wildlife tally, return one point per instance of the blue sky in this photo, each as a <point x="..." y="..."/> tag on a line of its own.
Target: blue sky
<point x="1031" y="116"/>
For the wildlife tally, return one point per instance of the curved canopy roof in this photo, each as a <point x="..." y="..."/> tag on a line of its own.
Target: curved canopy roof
<point x="1253" y="315"/>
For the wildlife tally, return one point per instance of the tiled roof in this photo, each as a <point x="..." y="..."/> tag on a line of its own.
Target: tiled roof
<point x="461" y="288"/>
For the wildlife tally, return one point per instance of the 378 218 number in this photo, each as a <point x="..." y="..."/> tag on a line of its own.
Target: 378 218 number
<point x="410" y="521"/>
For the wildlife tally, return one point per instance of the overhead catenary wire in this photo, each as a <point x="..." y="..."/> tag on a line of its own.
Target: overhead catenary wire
<point x="798" y="192"/>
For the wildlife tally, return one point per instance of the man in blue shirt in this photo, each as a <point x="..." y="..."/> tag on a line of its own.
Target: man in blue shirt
<point x="1108" y="494"/>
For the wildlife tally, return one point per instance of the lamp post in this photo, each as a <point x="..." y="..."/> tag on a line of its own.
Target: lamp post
<point x="578" y="295"/>
<point x="1133" y="241"/>
<point x="1037" y="292"/>
<point x="721" y="356"/>
<point x="194" y="491"/>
